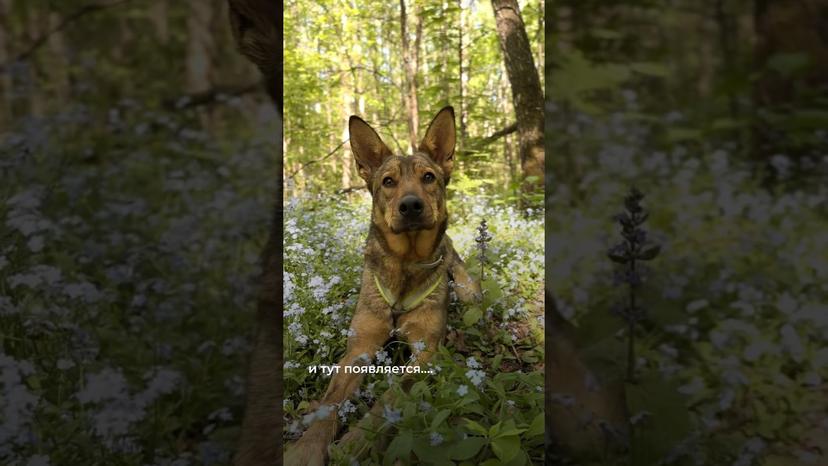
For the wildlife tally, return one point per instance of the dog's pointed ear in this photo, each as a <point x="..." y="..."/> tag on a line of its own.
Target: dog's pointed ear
<point x="369" y="150"/>
<point x="440" y="139"/>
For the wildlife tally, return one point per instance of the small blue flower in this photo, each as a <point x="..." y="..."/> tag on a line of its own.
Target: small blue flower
<point x="436" y="439"/>
<point x="392" y="415"/>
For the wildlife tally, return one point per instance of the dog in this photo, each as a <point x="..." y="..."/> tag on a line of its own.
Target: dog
<point x="409" y="260"/>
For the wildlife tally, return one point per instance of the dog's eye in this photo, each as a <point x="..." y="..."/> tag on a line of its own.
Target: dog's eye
<point x="428" y="177"/>
<point x="388" y="181"/>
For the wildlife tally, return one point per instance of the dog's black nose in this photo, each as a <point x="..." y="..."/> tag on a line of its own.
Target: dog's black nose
<point x="411" y="206"/>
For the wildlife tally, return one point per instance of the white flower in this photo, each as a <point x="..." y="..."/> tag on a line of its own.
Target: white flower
<point x="471" y="362"/>
<point x="322" y="413"/>
<point x="392" y="415"/>
<point x="382" y="357"/>
<point x="418" y="345"/>
<point x="476" y="376"/>
<point x="462" y="390"/>
<point x="346" y="408"/>
<point x="436" y="439"/>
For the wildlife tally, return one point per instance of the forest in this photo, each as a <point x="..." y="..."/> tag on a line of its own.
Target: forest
<point x="395" y="66"/>
<point x="677" y="229"/>
<point x="702" y="304"/>
<point x="138" y="153"/>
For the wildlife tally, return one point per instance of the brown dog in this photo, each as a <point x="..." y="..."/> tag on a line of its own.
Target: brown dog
<point x="408" y="262"/>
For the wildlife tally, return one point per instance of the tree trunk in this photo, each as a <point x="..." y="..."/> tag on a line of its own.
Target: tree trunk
<point x="793" y="29"/>
<point x="33" y="92"/>
<point x="349" y="106"/>
<point x="464" y="117"/>
<point x="199" y="46"/>
<point x="6" y="81"/>
<point x="58" y="65"/>
<point x="526" y="90"/>
<point x="257" y="28"/>
<point x="158" y="14"/>
<point x="411" y="64"/>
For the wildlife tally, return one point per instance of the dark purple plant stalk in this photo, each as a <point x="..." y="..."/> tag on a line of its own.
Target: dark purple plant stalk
<point x="634" y="248"/>
<point x="483" y="237"/>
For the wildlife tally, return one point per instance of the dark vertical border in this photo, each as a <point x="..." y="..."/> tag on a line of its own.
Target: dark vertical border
<point x="549" y="302"/>
<point x="258" y="29"/>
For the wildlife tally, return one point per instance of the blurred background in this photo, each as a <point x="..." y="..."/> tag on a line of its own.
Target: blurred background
<point x="138" y="159"/>
<point x="717" y="112"/>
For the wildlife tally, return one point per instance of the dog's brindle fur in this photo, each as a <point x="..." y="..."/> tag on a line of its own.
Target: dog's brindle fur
<point x="406" y="241"/>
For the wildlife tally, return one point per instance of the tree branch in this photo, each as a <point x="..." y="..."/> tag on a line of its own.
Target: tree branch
<point x="210" y="96"/>
<point x="496" y="135"/>
<point x="306" y="164"/>
<point x="350" y="189"/>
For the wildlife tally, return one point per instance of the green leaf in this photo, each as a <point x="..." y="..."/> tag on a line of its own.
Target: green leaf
<point x="649" y="253"/>
<point x="508" y="429"/>
<point x="492" y="290"/>
<point x="427" y="453"/>
<point x="537" y="427"/>
<point x="466" y="448"/>
<point x="400" y="447"/>
<point x="475" y="427"/>
<point x="506" y="447"/>
<point x="439" y="418"/>
<point x="472" y="316"/>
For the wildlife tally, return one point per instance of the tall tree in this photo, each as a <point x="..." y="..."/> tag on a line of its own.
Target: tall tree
<point x="464" y="116"/>
<point x="526" y="89"/>
<point x="792" y="65"/>
<point x="259" y="37"/>
<point x="159" y="16"/>
<point x="411" y="63"/>
<point x="6" y="82"/>
<point x="199" y="46"/>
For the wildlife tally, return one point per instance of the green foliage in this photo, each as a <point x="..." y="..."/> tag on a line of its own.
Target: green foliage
<point x="485" y="399"/>
<point x="342" y="60"/>
<point x="126" y="284"/>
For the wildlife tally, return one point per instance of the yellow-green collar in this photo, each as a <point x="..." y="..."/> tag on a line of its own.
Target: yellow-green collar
<point x="410" y="301"/>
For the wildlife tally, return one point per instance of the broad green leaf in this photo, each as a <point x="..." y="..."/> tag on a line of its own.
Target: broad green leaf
<point x="477" y="428"/>
<point x="400" y="447"/>
<point x="506" y="447"/>
<point x="537" y="426"/>
<point x="472" y="316"/>
<point x="439" y="418"/>
<point x="466" y="448"/>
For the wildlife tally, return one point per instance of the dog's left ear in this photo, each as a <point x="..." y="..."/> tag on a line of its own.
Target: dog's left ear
<point x="439" y="140"/>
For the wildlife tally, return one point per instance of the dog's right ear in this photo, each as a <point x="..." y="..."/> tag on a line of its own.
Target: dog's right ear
<point x="369" y="150"/>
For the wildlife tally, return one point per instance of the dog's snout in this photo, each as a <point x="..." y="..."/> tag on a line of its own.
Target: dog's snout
<point x="411" y="206"/>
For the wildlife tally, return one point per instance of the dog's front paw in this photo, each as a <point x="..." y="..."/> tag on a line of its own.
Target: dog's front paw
<point x="312" y="448"/>
<point x="355" y="443"/>
<point x="306" y="452"/>
<point x="469" y="291"/>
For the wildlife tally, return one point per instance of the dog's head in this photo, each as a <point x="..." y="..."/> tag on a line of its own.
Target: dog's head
<point x="409" y="192"/>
